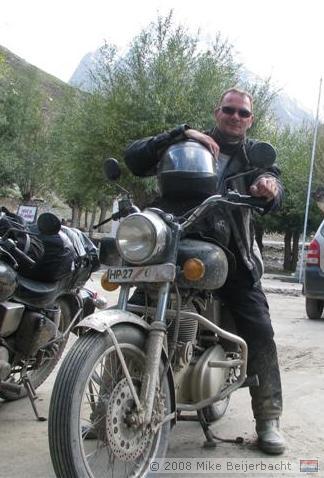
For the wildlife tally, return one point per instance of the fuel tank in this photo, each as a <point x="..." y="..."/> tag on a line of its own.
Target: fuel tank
<point x="213" y="258"/>
<point x="8" y="281"/>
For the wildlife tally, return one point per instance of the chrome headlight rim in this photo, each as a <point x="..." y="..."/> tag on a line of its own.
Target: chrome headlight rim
<point x="156" y="243"/>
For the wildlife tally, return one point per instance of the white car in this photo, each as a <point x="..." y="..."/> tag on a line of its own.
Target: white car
<point x="314" y="275"/>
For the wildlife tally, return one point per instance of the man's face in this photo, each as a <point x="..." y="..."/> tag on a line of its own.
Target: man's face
<point x="232" y="121"/>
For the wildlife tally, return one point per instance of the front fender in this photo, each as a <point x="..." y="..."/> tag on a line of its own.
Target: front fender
<point x="104" y="319"/>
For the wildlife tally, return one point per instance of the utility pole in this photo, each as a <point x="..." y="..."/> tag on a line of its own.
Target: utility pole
<point x="301" y="267"/>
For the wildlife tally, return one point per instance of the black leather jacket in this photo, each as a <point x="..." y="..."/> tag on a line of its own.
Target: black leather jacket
<point x="142" y="157"/>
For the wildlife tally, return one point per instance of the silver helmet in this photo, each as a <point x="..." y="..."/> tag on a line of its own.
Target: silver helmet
<point x="187" y="169"/>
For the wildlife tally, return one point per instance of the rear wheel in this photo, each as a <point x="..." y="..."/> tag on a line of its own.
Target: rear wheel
<point x="314" y="308"/>
<point x="38" y="375"/>
<point x="93" y="426"/>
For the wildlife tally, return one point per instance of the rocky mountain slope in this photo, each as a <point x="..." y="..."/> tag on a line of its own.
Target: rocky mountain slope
<point x="52" y="86"/>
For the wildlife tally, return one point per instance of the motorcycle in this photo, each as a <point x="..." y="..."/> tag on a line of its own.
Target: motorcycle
<point x="146" y="363"/>
<point x="36" y="319"/>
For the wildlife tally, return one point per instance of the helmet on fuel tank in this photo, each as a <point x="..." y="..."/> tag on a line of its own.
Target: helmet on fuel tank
<point x="187" y="169"/>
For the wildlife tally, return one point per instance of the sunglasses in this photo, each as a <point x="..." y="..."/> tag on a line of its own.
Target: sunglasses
<point x="230" y="110"/>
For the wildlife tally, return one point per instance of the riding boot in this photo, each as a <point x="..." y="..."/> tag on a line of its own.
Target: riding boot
<point x="267" y="397"/>
<point x="270" y="440"/>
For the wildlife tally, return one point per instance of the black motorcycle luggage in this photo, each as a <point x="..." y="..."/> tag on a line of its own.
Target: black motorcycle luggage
<point x="14" y="227"/>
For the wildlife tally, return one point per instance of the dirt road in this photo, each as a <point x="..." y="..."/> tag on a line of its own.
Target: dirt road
<point x="23" y="441"/>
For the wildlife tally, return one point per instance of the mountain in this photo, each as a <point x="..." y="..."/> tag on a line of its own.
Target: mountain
<point x="81" y="77"/>
<point x="286" y="110"/>
<point x="52" y="87"/>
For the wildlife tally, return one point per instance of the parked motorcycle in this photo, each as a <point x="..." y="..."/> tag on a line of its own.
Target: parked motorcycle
<point x="36" y="319"/>
<point x="141" y="365"/>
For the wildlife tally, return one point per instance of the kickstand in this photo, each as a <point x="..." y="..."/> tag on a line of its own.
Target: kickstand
<point x="32" y="397"/>
<point x="211" y="439"/>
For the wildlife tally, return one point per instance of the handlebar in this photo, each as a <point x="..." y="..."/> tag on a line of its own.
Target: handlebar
<point x="230" y="198"/>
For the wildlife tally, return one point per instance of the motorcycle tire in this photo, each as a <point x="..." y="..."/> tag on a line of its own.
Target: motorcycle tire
<point x="217" y="410"/>
<point x="39" y="375"/>
<point x="90" y="400"/>
<point x="314" y="308"/>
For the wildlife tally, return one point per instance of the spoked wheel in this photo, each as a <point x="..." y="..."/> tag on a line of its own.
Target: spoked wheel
<point x="94" y="431"/>
<point x="38" y="375"/>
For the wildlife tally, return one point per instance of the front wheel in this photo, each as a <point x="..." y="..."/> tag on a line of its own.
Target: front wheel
<point x="93" y="432"/>
<point x="314" y="308"/>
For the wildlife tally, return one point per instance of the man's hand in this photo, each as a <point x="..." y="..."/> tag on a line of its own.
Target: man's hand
<point x="205" y="140"/>
<point x="266" y="187"/>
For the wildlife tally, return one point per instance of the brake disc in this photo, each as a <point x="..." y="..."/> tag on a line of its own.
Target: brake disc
<point x="127" y="442"/>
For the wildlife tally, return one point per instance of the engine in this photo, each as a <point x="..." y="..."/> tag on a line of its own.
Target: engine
<point x="34" y="332"/>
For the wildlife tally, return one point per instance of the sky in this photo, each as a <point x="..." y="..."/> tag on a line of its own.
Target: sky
<point x="283" y="39"/>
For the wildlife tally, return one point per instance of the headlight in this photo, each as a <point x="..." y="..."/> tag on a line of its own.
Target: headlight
<point x="142" y="237"/>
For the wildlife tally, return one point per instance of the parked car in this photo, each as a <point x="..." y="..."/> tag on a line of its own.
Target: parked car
<point x="314" y="275"/>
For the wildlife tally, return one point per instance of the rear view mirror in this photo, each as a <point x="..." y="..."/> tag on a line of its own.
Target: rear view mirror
<point x="262" y="155"/>
<point x="112" y="169"/>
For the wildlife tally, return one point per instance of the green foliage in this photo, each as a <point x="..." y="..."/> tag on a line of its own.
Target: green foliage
<point x="78" y="140"/>
<point x="23" y="133"/>
<point x="28" y="103"/>
<point x="294" y="155"/>
<point x="167" y="77"/>
<point x="319" y="162"/>
<point x="263" y="94"/>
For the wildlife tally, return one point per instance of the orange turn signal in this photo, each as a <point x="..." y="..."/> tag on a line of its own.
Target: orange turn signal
<point x="105" y="284"/>
<point x="193" y="269"/>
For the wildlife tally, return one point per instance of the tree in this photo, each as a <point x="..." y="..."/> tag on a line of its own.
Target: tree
<point x="23" y="131"/>
<point x="319" y="159"/>
<point x="79" y="142"/>
<point x="162" y="80"/>
<point x="7" y="155"/>
<point x="294" y="154"/>
<point x="166" y="77"/>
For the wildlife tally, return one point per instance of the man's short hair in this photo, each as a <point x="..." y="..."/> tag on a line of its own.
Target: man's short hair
<point x="238" y="92"/>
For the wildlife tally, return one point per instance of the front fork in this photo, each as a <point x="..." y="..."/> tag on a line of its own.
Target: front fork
<point x="155" y="342"/>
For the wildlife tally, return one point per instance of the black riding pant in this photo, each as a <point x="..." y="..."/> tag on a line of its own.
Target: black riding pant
<point x="249" y="307"/>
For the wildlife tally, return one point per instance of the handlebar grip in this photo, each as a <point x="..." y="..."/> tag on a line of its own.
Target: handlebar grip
<point x="253" y="201"/>
<point x="256" y="201"/>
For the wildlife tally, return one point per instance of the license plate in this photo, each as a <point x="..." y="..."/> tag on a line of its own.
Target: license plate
<point x="157" y="273"/>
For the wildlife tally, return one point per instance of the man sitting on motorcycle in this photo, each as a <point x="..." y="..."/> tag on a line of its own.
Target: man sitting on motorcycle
<point x="242" y="292"/>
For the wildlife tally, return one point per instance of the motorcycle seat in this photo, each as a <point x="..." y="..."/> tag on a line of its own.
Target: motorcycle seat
<point x="38" y="294"/>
